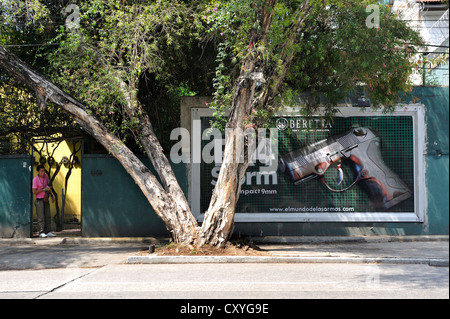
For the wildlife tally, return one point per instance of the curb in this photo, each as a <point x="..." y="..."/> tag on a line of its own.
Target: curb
<point x="78" y="241"/>
<point x="346" y="239"/>
<point x="108" y="240"/>
<point x="441" y="262"/>
<point x="16" y="241"/>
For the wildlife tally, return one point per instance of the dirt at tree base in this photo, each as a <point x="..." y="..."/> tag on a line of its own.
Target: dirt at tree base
<point x="231" y="249"/>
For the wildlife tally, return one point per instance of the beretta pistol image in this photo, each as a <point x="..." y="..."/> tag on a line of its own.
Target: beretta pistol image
<point x="361" y="147"/>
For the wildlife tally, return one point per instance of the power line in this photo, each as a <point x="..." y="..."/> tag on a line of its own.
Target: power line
<point x="432" y="52"/>
<point x="424" y="20"/>
<point x="437" y="46"/>
<point x="27" y="45"/>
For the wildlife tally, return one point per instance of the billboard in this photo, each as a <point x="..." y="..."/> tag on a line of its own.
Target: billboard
<point x="357" y="167"/>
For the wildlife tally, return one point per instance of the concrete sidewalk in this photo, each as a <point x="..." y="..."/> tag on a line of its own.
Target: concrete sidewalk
<point x="64" y="252"/>
<point x="431" y="250"/>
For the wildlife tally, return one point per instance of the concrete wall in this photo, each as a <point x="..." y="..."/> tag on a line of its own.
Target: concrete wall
<point x="113" y="205"/>
<point x="436" y="100"/>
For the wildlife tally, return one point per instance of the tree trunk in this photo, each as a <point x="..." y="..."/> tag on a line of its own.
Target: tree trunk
<point x="182" y="229"/>
<point x="147" y="139"/>
<point x="217" y="226"/>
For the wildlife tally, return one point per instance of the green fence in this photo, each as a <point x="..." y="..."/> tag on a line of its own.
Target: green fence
<point x="15" y="196"/>
<point x="113" y="205"/>
<point x="436" y="101"/>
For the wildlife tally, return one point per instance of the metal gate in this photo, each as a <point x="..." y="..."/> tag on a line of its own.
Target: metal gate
<point x="15" y="196"/>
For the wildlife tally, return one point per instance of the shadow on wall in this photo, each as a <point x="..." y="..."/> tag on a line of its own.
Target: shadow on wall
<point x="112" y="204"/>
<point x="15" y="196"/>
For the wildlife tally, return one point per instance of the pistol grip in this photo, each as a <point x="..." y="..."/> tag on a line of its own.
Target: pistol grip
<point x="384" y="187"/>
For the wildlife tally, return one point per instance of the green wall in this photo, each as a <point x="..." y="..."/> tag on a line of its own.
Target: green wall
<point x="15" y="196"/>
<point x="436" y="101"/>
<point x="113" y="205"/>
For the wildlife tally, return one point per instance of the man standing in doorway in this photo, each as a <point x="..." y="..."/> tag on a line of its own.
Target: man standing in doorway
<point x="43" y="192"/>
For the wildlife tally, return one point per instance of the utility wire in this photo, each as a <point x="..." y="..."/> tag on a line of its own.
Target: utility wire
<point x="54" y="44"/>
<point x="27" y="45"/>
<point x="437" y="46"/>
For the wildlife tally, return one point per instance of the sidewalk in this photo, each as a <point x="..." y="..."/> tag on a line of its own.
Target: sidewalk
<point x="431" y="250"/>
<point x="62" y="252"/>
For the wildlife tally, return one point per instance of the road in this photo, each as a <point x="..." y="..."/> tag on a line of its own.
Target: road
<point x="235" y="281"/>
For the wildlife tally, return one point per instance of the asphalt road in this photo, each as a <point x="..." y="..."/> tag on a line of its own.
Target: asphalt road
<point x="235" y="281"/>
<point x="49" y="269"/>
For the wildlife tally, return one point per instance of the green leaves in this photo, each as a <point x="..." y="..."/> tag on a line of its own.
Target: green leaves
<point x="120" y="45"/>
<point x="335" y="51"/>
<point x="348" y="54"/>
<point x="102" y="62"/>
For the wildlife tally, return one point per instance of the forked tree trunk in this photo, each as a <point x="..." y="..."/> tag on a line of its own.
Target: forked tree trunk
<point x="219" y="218"/>
<point x="218" y="223"/>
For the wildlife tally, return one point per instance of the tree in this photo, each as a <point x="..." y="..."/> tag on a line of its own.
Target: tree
<point x="106" y="57"/>
<point x="267" y="51"/>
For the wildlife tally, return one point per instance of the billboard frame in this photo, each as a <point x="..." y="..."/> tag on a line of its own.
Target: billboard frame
<point x="415" y="111"/>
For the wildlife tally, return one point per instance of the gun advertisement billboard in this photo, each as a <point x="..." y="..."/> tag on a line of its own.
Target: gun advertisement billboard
<point x="360" y="166"/>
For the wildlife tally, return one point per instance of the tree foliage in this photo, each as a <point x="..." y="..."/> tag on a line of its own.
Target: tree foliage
<point x="119" y="50"/>
<point x="335" y="52"/>
<point x="114" y="47"/>
<point x="142" y="54"/>
<point x="27" y="30"/>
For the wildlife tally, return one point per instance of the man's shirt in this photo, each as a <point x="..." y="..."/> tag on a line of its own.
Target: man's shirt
<point x="40" y="183"/>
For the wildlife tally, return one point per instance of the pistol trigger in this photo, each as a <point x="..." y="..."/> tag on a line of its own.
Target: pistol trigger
<point x="340" y="174"/>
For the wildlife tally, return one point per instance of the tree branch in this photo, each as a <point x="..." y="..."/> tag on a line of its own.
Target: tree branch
<point x="147" y="182"/>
